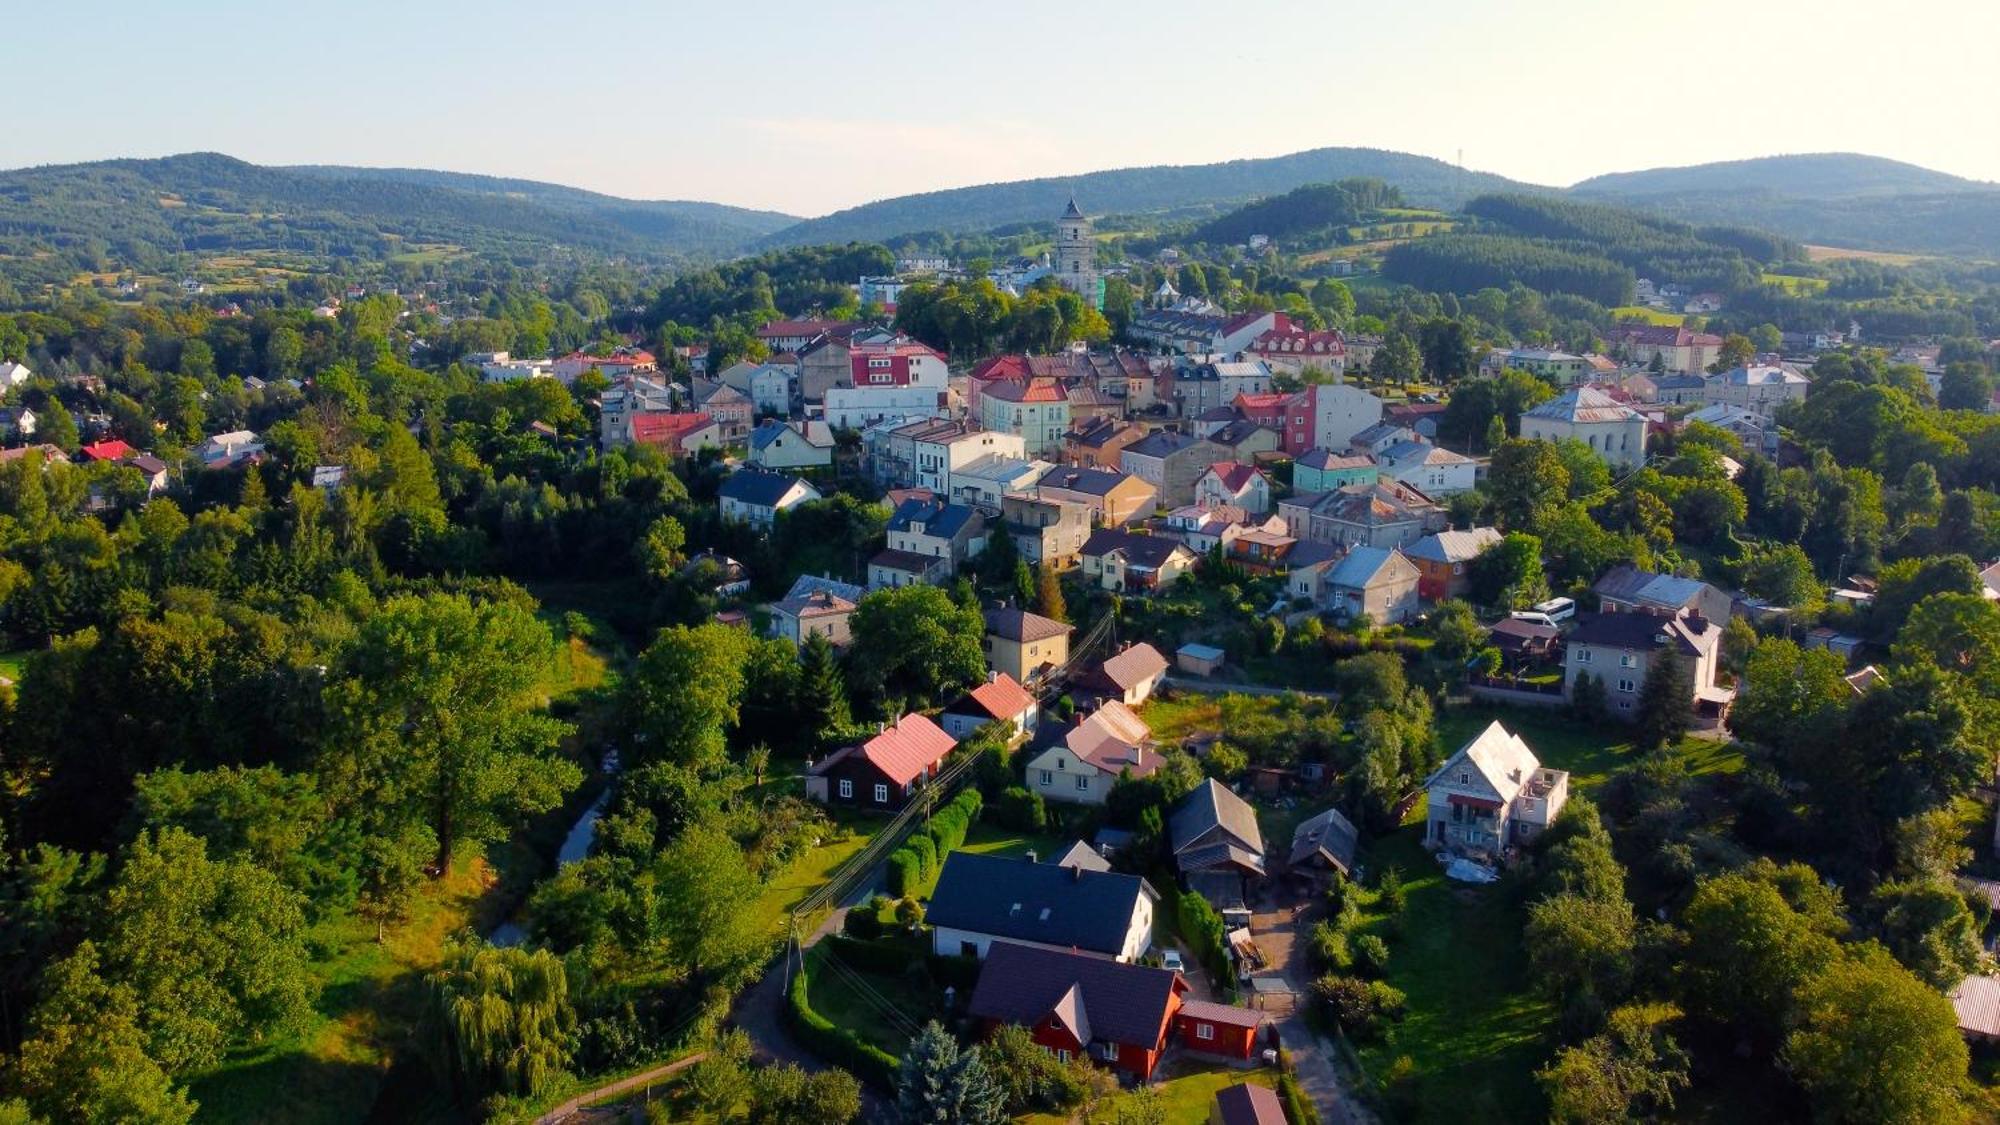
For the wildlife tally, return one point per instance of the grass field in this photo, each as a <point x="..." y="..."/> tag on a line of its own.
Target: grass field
<point x="1797" y="286"/>
<point x="1183" y="1098"/>
<point x="1589" y="755"/>
<point x="11" y="664"/>
<point x="780" y="895"/>
<point x="1647" y="314"/>
<point x="1886" y="257"/>
<point x="840" y="1000"/>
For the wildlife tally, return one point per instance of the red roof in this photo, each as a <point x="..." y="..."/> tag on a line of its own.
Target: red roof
<point x="1272" y="401"/>
<point x="1034" y="390"/>
<point x="1001" y="367"/>
<point x="907" y="749"/>
<point x="1002" y="697"/>
<point x="798" y="328"/>
<point x="113" y="450"/>
<point x="651" y="428"/>
<point x="1235" y="475"/>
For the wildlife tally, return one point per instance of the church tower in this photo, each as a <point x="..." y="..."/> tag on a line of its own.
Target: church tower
<point x="1076" y="255"/>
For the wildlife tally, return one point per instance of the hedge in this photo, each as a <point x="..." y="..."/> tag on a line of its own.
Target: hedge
<point x="1299" y="1109"/>
<point x="925" y="849"/>
<point x="1203" y="929"/>
<point x="836" y="1044"/>
<point x="1022" y="810"/>
<point x="906" y="872"/>
<point x="893" y="958"/>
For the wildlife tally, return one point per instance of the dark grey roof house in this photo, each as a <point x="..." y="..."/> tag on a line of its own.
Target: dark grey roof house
<point x="981" y="898"/>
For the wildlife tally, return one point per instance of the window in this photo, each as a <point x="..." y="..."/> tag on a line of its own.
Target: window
<point x="1048" y="777"/>
<point x="1062" y="1054"/>
<point x="846" y="789"/>
<point x="1627" y="660"/>
<point x="1204" y="1031"/>
<point x="1083" y="782"/>
<point x="1111" y="1052"/>
<point x="1626" y="685"/>
<point x="881" y="794"/>
<point x="1465" y="777"/>
<point x="1583" y="656"/>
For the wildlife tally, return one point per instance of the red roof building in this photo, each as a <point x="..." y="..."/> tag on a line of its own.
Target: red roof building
<point x="1033" y="390"/>
<point x="113" y="450"/>
<point x="675" y="434"/>
<point x="1218" y="1029"/>
<point x="1113" y="1013"/>
<point x="885" y="771"/>
<point x="1263" y="409"/>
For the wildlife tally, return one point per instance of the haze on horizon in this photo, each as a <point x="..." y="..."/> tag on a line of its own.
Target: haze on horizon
<point x="809" y="108"/>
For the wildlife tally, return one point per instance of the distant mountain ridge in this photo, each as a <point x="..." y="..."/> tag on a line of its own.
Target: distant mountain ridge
<point x="1819" y="175"/>
<point x="1424" y="181"/>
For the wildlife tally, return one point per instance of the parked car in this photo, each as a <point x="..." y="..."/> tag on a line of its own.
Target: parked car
<point x="1170" y="958"/>
<point x="1557" y="609"/>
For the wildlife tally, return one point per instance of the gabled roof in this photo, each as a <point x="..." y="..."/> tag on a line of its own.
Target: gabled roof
<point x="1161" y="443"/>
<point x="760" y="489"/>
<point x="113" y="450"/>
<point x="1454" y="546"/>
<point x="1499" y="756"/>
<point x="1127" y="1004"/>
<point x="1238" y="432"/>
<point x="813" y="433"/>
<point x="1245" y="1104"/>
<point x="1211" y="806"/>
<point x="1020" y="626"/>
<point x="1134" y="666"/>
<point x="1326" y="460"/>
<point x="1364" y="565"/>
<point x="1329" y="837"/>
<point x="1089" y="482"/>
<point x="1144" y="551"/>
<point x="1082" y="855"/>
<point x="806" y="584"/>
<point x="1011" y="897"/>
<point x="931" y="517"/>
<point x="651" y="427"/>
<point x="908" y="748"/>
<point x="1001" y="697"/>
<point x="1583" y="405"/>
<point x="1030" y="390"/>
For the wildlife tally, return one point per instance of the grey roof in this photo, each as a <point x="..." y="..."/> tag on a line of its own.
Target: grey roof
<point x="1082" y="855"/>
<point x="1635" y="631"/>
<point x="808" y="584"/>
<point x="931" y="517"/>
<point x="757" y="487"/>
<point x="1329" y="838"/>
<point x="1453" y="546"/>
<point x="1361" y="566"/>
<point x="1237" y="432"/>
<point x="1072" y="211"/>
<point x="1039" y="902"/>
<point x="1583" y="404"/>
<point x="1160" y="443"/>
<point x="1144" y="551"/>
<point x="1019" y="625"/>
<point x="1090" y="482"/>
<point x="1244" y="1104"/>
<point x="1122" y="1003"/>
<point x="1134" y="666"/>
<point x="1210" y="806"/>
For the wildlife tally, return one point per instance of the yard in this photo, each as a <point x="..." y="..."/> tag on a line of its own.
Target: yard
<point x="808" y="873"/>
<point x="1647" y="314"/>
<point x="852" y="1001"/>
<point x="1183" y="1099"/>
<point x="987" y="838"/>
<point x="11" y="664"/>
<point x="1589" y="755"/>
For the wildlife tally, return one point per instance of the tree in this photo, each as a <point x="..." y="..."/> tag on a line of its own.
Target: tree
<point x="1632" y="1069"/>
<point x="822" y="698"/>
<point x="1397" y="360"/>
<point x="1874" y="1044"/>
<point x="1049" y="595"/>
<point x="1791" y="696"/>
<point x="1581" y="946"/>
<point x="704" y="887"/>
<point x="1966" y="385"/>
<point x="1736" y="351"/>
<point x="1957" y="632"/>
<point x="432" y="719"/>
<point x="55" y="426"/>
<point x="940" y="1083"/>
<point x="1665" y="702"/>
<point x="213" y="951"/>
<point x="1755" y="938"/>
<point x="915" y="645"/>
<point x="1509" y="574"/>
<point x="663" y="550"/>
<point x="1446" y="344"/>
<point x="498" y="1019"/>
<point x="1030" y="1078"/>
<point x="1526" y="481"/>
<point x="1928" y="927"/>
<point x="85" y="1057"/>
<point x="1784" y="575"/>
<point x="687" y="694"/>
<point x="787" y="1094"/>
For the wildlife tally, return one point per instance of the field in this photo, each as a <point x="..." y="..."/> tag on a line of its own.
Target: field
<point x="1183" y="1099"/>
<point x="1797" y="286"/>
<point x="1589" y="755"/>
<point x="1647" y="314"/>
<point x="775" y="902"/>
<point x="11" y="664"/>
<point x="1886" y="257"/>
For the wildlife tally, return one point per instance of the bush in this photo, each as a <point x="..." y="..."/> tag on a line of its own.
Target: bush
<point x="1299" y="1109"/>
<point x="1330" y="950"/>
<point x="862" y="922"/>
<point x="926" y="851"/>
<point x="1360" y="1007"/>
<point x="1021" y="810"/>
<point x="906" y="872"/>
<point x="1389" y="890"/>
<point x="910" y="913"/>
<point x="1399" y="1087"/>
<point x="1371" y="956"/>
<point x="1338" y="893"/>
<point x="1202" y="928"/>
<point x="836" y="1044"/>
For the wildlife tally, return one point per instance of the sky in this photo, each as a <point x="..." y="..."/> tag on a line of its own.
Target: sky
<point x="811" y="107"/>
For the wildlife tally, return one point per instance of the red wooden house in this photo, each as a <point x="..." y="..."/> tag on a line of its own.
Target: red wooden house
<point x="883" y="772"/>
<point x="1114" y="1013"/>
<point x="1218" y="1029"/>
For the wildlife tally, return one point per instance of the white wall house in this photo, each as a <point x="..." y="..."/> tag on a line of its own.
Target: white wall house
<point x="1492" y="795"/>
<point x="1612" y="430"/>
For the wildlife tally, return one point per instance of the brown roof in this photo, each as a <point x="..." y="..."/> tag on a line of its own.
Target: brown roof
<point x="1120" y="1003"/>
<point x="1244" y="1104"/>
<point x="1134" y="666"/>
<point x="1019" y="625"/>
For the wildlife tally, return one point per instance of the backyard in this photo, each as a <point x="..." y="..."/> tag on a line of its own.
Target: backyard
<point x="1182" y="1099"/>
<point x="1562" y="743"/>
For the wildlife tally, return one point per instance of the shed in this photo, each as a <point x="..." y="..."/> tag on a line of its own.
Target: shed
<point x="1199" y="659"/>
<point x="1218" y="1029"/>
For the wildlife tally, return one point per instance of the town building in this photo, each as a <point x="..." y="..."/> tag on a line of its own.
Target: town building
<point x="935" y="529"/>
<point x="884" y="772"/>
<point x="1491" y="796"/>
<point x="1001" y="699"/>
<point x="1099" y="442"/>
<point x="1076" y="256"/>
<point x="1171" y="462"/>
<point x="1627" y="589"/>
<point x="983" y="902"/>
<point x="1376" y="583"/>
<point x="1130" y="676"/>
<point x="1132" y="563"/>
<point x="1612" y="430"/>
<point x="1235" y="483"/>
<point x="1620" y="649"/>
<point x="1383" y="514"/>
<point x="1046" y="532"/>
<point x="1442" y="557"/>
<point x="1217" y="847"/>
<point x="755" y="497"/>
<point x="1678" y="349"/>
<point x="674" y="434"/>
<point x="1024" y="645"/>
<point x="778" y="445"/>
<point x="1430" y="469"/>
<point x="1322" y="470"/>
<point x="1759" y="388"/>
<point x="1037" y="411"/>
<point x="1115" y="1014"/>
<point x="816" y="605"/>
<point x="1082" y="765"/>
<point x="1327" y="416"/>
<point x="1113" y="498"/>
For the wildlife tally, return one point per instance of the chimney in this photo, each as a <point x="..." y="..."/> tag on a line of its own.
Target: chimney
<point x="1076" y="873"/>
<point x="1696" y="623"/>
<point x="1033" y="858"/>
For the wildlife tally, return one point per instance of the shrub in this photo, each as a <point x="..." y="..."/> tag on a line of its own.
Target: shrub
<point x="1021" y="809"/>
<point x="1360" y="1007"/>
<point x="1338" y="893"/>
<point x="1389" y="889"/>
<point x="925" y="849"/>
<point x="1399" y="1087"/>
<point x="1299" y="1109"/>
<point x="1371" y="956"/>
<point x="910" y="913"/>
<point x="1203" y="929"/>
<point x="862" y="922"/>
<point x="1330" y="949"/>
<point x="906" y="872"/>
<point x="835" y="1044"/>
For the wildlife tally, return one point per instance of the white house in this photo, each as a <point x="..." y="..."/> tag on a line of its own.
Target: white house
<point x="1327" y="416"/>
<point x="14" y="374"/>
<point x="1612" y="430"/>
<point x="1492" y="795"/>
<point x="780" y="445"/>
<point x="1235" y="484"/>
<point x="1430" y="469"/>
<point x="987" y="480"/>
<point x="1759" y="388"/>
<point x="1131" y="676"/>
<point x="1373" y="582"/>
<point x="852" y="408"/>
<point x="229" y="448"/>
<point x="755" y="497"/>
<point x="981" y="898"/>
<point x="1001" y="699"/>
<point x="1092" y="755"/>
<point x="815" y="605"/>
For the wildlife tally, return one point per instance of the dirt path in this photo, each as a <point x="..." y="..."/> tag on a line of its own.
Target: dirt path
<point x="1283" y="938"/>
<point x="572" y="1107"/>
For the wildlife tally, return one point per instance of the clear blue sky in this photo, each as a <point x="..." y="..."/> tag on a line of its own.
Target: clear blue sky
<point x="809" y="107"/>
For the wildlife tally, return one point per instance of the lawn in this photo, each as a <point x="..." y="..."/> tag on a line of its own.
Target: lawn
<point x="1590" y="755"/>
<point x="843" y="1002"/>
<point x="986" y="838"/>
<point x="1647" y="314"/>
<point x="1474" y="1031"/>
<point x="1797" y="286"/>
<point x="1183" y="1099"/>
<point x="11" y="664"/>
<point x="1187" y="713"/>
<point x="807" y="874"/>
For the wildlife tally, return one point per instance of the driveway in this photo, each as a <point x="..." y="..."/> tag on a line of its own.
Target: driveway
<point x="1283" y="939"/>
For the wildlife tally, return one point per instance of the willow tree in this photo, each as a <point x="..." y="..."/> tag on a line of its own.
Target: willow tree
<point x="500" y="1019"/>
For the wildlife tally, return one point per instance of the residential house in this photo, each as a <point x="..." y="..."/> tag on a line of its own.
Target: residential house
<point x="815" y="605"/>
<point x="1321" y="470"/>
<point x="1234" y="483"/>
<point x="924" y="453"/>
<point x="1561" y="368"/>
<point x="1129" y="677"/>
<point x="987" y="481"/>
<point x="1306" y="566"/>
<point x="884" y="772"/>
<point x="985" y="902"/>
<point x="1679" y="349"/>
<point x="635" y="395"/>
<point x="1680" y="390"/>
<point x="1759" y="388"/>
<point x="731" y="408"/>
<point x="1077" y="1006"/>
<point x="778" y="445"/>
<point x="796" y="335"/>
<point x="224" y="450"/>
<point x="1383" y="514"/>
<point x="1200" y="333"/>
<point x="1380" y="436"/>
<point x="619" y="364"/>
<point x="674" y="434"/>
<point x="1087" y="402"/>
<point x="1243" y="440"/>
<point x="1373" y="582"/>
<point x="897" y="361"/>
<point x="1171" y="462"/>
<point x="1099" y="442"/>
<point x="935" y="529"/>
<point x="1023" y="645"/>
<point x="1113" y="498"/>
<point x="1327" y="416"/>
<point x="1204" y="528"/>
<point x="1619" y="649"/>
<point x="1082" y="766"/>
<point x="1522" y="642"/>
<point x="770" y="386"/>
<point x="153" y="469"/>
<point x="1036" y="410"/>
<point x="1491" y="796"/>
<point x="1204" y="386"/>
<point x="1327" y="842"/>
<point x="1267" y="409"/>
<point x="1133" y="563"/>
<point x="1627" y="589"/>
<point x="1441" y="559"/>
<point x="755" y="497"/>
<point x="14" y="374"/>
<point x="1292" y="350"/>
<point x="854" y="408"/>
<point x="1001" y="699"/>
<point x="1217" y="845"/>
<point x="891" y="568"/>
<point x="1757" y="432"/>
<point x="1430" y="469"/>
<point x="1612" y="430"/>
<point x="1046" y="532"/>
<point x="113" y="451"/>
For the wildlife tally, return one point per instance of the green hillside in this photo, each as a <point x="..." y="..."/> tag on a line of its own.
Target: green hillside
<point x="1825" y="175"/>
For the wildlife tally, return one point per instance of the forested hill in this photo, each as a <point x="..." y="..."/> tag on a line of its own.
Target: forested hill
<point x="1423" y="181"/>
<point x="140" y="214"/>
<point x="1836" y="199"/>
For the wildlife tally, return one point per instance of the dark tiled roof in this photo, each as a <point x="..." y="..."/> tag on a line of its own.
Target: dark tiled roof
<point x="938" y="519"/>
<point x="756" y="487"/>
<point x="1020" y="625"/>
<point x="1329" y="836"/>
<point x="1124" y="1003"/>
<point x="1140" y="550"/>
<point x="1160" y="443"/>
<point x="1211" y="805"/>
<point x="1090" y="482"/>
<point x="1244" y="1104"/>
<point x="1040" y="902"/>
<point x="1636" y="631"/>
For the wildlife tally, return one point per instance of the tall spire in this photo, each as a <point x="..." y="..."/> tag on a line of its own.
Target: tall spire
<point x="1072" y="211"/>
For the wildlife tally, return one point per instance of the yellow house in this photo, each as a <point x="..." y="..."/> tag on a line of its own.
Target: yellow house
<point x="1021" y="644"/>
